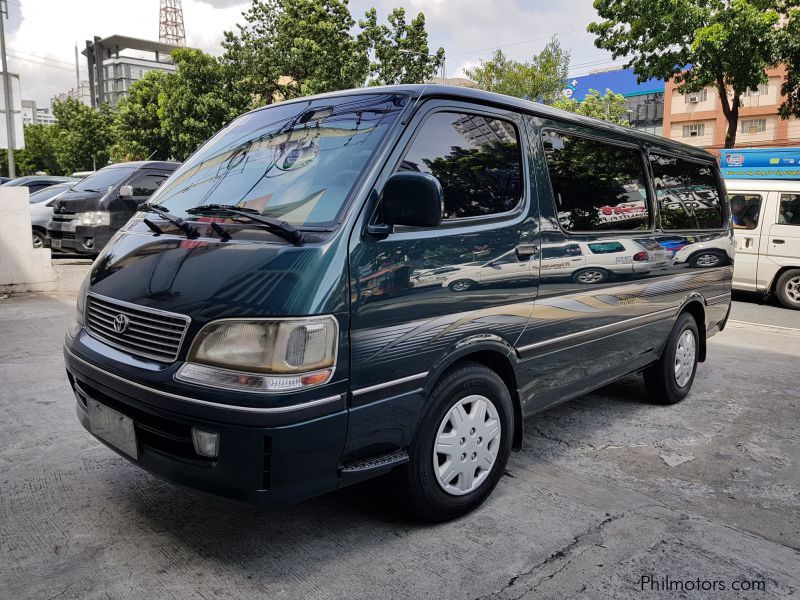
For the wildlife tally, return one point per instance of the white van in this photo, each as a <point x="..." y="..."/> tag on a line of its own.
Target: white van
<point x="766" y="220"/>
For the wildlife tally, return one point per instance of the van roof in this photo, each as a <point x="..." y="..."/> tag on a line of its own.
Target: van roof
<point x="534" y="108"/>
<point x="766" y="185"/>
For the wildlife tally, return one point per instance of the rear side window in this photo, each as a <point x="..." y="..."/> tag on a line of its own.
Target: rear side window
<point x="606" y="248"/>
<point x="745" y="210"/>
<point x="596" y="185"/>
<point x="687" y="193"/>
<point x="561" y="251"/>
<point x="476" y="158"/>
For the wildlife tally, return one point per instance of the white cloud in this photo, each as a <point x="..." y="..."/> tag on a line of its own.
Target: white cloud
<point x="43" y="33"/>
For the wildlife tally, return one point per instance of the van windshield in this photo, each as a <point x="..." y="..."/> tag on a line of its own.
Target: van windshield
<point x="297" y="162"/>
<point x="103" y="179"/>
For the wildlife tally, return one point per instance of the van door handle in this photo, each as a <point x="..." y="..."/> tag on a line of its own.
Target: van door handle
<point x="778" y="241"/>
<point x="748" y="242"/>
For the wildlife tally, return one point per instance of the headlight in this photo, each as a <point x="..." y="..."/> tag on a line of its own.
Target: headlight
<point x="263" y="355"/>
<point x="94" y="217"/>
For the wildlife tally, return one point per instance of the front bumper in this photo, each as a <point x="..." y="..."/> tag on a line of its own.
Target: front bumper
<point x="263" y="458"/>
<point x="70" y="236"/>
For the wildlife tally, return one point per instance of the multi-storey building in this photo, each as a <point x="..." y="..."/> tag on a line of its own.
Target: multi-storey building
<point x="698" y="119"/>
<point x="36" y="115"/>
<point x="111" y="73"/>
<point x="81" y="93"/>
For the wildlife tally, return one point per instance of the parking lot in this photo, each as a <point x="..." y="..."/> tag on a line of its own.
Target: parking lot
<point x="607" y="492"/>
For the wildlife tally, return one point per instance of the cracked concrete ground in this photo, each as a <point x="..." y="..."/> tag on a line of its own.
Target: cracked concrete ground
<point x="589" y="507"/>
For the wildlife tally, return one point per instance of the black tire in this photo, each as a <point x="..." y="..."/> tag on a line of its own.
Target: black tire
<point x="707" y="259"/>
<point x="38" y="239"/>
<point x="590" y="276"/>
<point x="426" y="496"/>
<point x="660" y="378"/>
<point x="788" y="289"/>
<point x="461" y="285"/>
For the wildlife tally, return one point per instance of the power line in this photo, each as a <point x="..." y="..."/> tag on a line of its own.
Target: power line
<point x="536" y="39"/>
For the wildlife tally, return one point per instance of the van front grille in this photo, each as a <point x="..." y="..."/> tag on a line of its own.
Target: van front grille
<point x="136" y="329"/>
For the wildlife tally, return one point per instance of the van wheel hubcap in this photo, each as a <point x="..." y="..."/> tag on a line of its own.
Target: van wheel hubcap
<point x="590" y="276"/>
<point x="460" y="286"/>
<point x="37" y="242"/>
<point x="793" y="289"/>
<point x="684" y="358"/>
<point x="707" y="260"/>
<point x="466" y="445"/>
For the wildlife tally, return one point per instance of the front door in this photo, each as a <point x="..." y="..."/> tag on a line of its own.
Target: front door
<point x="417" y="293"/>
<point x="748" y="215"/>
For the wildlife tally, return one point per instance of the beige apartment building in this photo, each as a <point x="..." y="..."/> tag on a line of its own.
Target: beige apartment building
<point x="697" y="119"/>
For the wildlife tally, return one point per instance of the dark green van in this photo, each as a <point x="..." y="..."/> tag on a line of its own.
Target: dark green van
<point x="393" y="278"/>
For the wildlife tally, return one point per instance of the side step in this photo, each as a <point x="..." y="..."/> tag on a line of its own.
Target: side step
<point x="371" y="466"/>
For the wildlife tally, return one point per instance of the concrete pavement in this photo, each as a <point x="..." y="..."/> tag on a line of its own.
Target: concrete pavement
<point x="608" y="492"/>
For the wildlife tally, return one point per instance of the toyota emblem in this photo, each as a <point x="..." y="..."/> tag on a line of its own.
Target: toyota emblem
<point x="120" y="323"/>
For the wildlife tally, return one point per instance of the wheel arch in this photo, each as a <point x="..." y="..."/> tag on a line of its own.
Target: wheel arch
<point x="695" y="306"/>
<point x="773" y="286"/>
<point x="496" y="354"/>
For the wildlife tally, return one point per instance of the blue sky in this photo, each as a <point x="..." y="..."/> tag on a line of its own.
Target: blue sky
<point x="42" y="33"/>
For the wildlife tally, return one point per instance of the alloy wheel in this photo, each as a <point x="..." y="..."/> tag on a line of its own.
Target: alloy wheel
<point x="684" y="357"/>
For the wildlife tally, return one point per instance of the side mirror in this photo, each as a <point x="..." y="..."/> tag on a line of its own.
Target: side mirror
<point x="526" y="251"/>
<point x="125" y="191"/>
<point x="413" y="199"/>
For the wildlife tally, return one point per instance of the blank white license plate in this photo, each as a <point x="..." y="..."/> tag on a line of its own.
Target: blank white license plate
<point x="113" y="427"/>
<point x="54" y="243"/>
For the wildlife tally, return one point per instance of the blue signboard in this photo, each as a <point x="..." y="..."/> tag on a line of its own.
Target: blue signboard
<point x="760" y="163"/>
<point x="619" y="81"/>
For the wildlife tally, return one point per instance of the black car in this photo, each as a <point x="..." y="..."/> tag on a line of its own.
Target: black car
<point x="34" y="183"/>
<point x="85" y="217"/>
<point x="267" y="327"/>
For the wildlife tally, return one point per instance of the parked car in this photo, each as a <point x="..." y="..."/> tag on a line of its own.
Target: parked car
<point x="34" y="183"/>
<point x="767" y="237"/>
<point x="258" y="329"/>
<point x="42" y="210"/>
<point x="86" y="217"/>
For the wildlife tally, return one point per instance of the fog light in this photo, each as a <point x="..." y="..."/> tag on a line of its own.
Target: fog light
<point x="206" y="443"/>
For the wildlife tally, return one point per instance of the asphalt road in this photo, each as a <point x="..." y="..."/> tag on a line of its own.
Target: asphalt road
<point x="607" y="490"/>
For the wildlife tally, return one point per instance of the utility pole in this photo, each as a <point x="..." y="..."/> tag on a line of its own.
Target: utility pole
<point x="7" y="86"/>
<point x="77" y="74"/>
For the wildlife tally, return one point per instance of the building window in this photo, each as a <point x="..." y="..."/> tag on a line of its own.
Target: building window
<point x="477" y="160"/>
<point x="687" y="194"/>
<point x="761" y="90"/>
<point x="754" y="126"/>
<point x="694" y="130"/>
<point x="695" y="97"/>
<point x="596" y="185"/>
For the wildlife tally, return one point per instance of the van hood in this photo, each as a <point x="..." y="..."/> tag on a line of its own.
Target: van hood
<point x="209" y="279"/>
<point x="74" y="202"/>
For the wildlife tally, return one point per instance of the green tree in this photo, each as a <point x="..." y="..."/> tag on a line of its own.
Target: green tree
<point x="399" y="52"/>
<point x="610" y="107"/>
<point x="39" y="153"/>
<point x="138" y="129"/>
<point x="292" y="48"/>
<point x="789" y="45"/>
<point x="196" y="101"/>
<point x="540" y="79"/>
<point x="83" y="135"/>
<point x="727" y="44"/>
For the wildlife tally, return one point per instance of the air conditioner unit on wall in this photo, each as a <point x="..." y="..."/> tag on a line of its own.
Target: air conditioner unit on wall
<point x="693" y="98"/>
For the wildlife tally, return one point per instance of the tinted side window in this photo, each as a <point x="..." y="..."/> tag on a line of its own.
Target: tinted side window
<point x="687" y="194"/>
<point x="790" y="209"/>
<point x="561" y="251"/>
<point x="596" y="185"/>
<point x="606" y="248"/>
<point x="477" y="160"/>
<point x="144" y="184"/>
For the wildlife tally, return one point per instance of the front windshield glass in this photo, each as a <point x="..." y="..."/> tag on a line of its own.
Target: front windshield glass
<point x="296" y="162"/>
<point x="103" y="179"/>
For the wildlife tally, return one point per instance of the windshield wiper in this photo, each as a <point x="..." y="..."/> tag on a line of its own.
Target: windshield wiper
<point x="279" y="228"/>
<point x="185" y="227"/>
